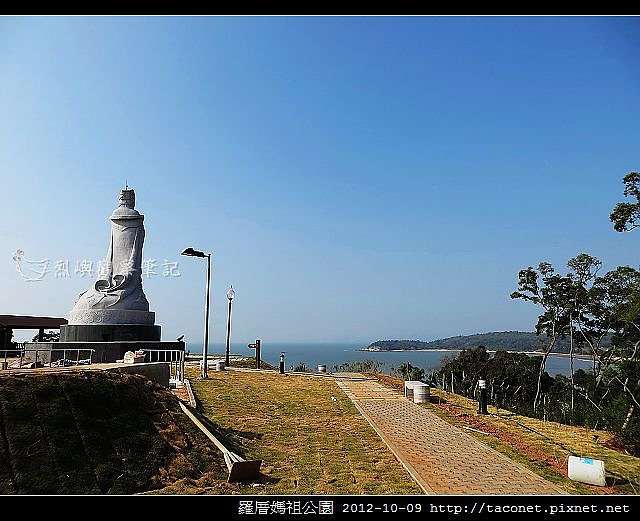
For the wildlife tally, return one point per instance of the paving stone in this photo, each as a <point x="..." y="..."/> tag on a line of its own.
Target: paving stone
<point x="442" y="458"/>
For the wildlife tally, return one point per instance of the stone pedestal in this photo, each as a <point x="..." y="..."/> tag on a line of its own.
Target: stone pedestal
<point x="111" y="316"/>
<point x="109" y="333"/>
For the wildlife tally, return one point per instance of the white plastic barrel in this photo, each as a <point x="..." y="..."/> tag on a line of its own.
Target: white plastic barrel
<point x="322" y="368"/>
<point x="421" y="394"/>
<point x="587" y="470"/>
<point x="219" y="365"/>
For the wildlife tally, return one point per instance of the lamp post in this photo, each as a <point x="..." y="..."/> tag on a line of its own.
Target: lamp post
<point x="230" y="295"/>
<point x="190" y="252"/>
<point x="482" y="402"/>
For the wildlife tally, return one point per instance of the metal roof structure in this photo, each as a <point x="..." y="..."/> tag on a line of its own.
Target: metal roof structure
<point x="29" y="322"/>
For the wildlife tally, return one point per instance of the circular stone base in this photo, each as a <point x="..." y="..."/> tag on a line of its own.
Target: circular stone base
<point x="108" y="333"/>
<point x="111" y="316"/>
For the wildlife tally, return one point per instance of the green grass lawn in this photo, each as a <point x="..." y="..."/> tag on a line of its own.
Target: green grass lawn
<point x="309" y="443"/>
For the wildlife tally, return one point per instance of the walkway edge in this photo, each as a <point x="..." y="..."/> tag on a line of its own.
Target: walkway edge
<point x="192" y="396"/>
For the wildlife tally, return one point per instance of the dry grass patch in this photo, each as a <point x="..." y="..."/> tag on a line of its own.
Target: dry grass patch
<point x="309" y="442"/>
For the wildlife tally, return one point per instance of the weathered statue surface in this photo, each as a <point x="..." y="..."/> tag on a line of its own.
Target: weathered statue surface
<point x="117" y="296"/>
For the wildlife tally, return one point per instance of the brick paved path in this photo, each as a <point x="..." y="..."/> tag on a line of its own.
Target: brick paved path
<point x="440" y="457"/>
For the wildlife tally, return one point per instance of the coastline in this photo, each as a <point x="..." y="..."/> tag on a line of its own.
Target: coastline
<point x="492" y="351"/>
<point x="367" y="350"/>
<point x="335" y="354"/>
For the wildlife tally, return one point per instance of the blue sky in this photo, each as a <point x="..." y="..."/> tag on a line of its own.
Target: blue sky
<point x="355" y="178"/>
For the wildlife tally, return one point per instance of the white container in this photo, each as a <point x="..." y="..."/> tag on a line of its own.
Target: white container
<point x="421" y="394"/>
<point x="322" y="368"/>
<point x="219" y="365"/>
<point x="587" y="470"/>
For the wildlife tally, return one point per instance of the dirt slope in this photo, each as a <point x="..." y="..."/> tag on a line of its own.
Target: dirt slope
<point x="97" y="433"/>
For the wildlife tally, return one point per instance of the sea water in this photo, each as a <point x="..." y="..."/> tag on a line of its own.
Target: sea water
<point x="334" y="354"/>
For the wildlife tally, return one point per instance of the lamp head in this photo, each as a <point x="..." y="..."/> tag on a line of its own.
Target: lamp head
<point x="231" y="293"/>
<point x="190" y="252"/>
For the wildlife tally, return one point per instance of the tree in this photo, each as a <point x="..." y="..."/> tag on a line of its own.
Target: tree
<point x="406" y="371"/>
<point x="553" y="296"/>
<point x="359" y="366"/>
<point x="620" y="374"/>
<point x="511" y="377"/>
<point x="626" y="216"/>
<point x="462" y="373"/>
<point x="300" y="367"/>
<point x="584" y="269"/>
<point x="48" y="336"/>
<point x="607" y="312"/>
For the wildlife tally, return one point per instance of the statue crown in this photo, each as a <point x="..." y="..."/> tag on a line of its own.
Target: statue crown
<point x="128" y="198"/>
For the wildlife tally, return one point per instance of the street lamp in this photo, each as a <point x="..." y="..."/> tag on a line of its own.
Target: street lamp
<point x="230" y="295"/>
<point x="482" y="402"/>
<point x="190" y="252"/>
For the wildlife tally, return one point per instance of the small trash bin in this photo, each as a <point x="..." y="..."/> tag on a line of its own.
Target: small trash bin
<point x="421" y="393"/>
<point x="322" y="368"/>
<point x="586" y="470"/>
<point x="220" y="365"/>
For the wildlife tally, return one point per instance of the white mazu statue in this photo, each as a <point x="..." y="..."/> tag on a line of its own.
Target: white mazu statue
<point x="117" y="296"/>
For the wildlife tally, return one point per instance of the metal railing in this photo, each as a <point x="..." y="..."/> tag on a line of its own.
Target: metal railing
<point x="19" y="357"/>
<point x="22" y="358"/>
<point x="174" y="357"/>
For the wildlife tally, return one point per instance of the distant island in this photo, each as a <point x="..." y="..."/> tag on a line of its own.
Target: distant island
<point x="502" y="340"/>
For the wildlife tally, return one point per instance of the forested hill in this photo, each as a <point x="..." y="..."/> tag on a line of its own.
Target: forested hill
<point x="504" y="340"/>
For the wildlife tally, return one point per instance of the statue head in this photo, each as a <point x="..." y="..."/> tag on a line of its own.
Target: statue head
<point x="126" y="206"/>
<point x="127" y="198"/>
